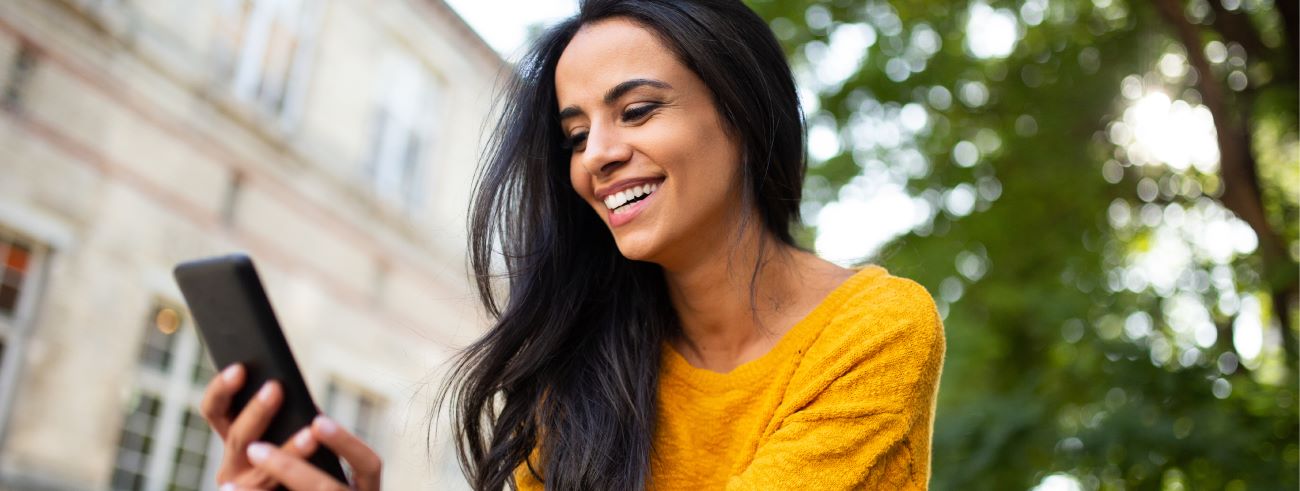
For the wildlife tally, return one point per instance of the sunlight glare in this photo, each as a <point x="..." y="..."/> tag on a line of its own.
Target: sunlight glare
<point x="990" y="33"/>
<point x="1158" y="130"/>
<point x="1248" y="329"/>
<point x="865" y="218"/>
<point x="1059" y="482"/>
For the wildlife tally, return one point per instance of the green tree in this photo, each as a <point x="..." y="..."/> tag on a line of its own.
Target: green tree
<point x="1120" y="309"/>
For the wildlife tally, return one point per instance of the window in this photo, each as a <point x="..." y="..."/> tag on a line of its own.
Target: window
<point x="262" y="50"/>
<point x="401" y="133"/>
<point x="22" y="267"/>
<point x="16" y="266"/>
<point x="136" y="442"/>
<point x="361" y="413"/>
<point x="165" y="444"/>
<point x="17" y="76"/>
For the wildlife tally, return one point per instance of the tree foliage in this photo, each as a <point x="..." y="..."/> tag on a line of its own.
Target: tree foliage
<point x="1117" y="312"/>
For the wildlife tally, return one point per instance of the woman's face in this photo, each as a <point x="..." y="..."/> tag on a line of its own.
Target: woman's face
<point x="639" y="121"/>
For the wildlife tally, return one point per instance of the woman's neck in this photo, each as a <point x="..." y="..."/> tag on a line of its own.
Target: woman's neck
<point x="721" y="327"/>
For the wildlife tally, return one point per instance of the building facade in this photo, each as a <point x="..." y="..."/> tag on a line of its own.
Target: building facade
<point x="332" y="140"/>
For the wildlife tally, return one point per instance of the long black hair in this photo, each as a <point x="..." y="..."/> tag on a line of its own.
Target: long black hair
<point x="570" y="368"/>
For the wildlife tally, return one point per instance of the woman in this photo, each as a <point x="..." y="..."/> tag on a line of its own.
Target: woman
<point x="661" y="328"/>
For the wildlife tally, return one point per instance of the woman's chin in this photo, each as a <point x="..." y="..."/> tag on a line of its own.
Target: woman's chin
<point x="634" y="254"/>
<point x="636" y="250"/>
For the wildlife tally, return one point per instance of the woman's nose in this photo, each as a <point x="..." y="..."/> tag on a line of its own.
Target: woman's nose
<point x="605" y="151"/>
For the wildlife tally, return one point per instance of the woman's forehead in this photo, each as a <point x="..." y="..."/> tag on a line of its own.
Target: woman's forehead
<point x="606" y="53"/>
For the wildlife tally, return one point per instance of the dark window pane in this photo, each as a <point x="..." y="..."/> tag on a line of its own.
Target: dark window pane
<point x="12" y="277"/>
<point x="127" y="482"/>
<point x="135" y="443"/>
<point x="365" y="418"/>
<point x="203" y="370"/>
<point x="8" y="299"/>
<point x="191" y="454"/>
<point x="331" y="393"/>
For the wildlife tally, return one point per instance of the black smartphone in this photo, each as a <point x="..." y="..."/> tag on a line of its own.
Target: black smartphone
<point x="235" y="319"/>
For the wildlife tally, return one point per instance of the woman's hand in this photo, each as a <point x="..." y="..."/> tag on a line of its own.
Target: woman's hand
<point x="248" y="464"/>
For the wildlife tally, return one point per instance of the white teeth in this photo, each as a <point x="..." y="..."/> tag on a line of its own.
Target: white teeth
<point x="621" y="198"/>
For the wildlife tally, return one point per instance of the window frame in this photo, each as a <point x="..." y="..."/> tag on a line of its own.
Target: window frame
<point x="342" y="403"/>
<point x="242" y="58"/>
<point x="16" y="329"/>
<point x="407" y="94"/>
<point x="177" y="392"/>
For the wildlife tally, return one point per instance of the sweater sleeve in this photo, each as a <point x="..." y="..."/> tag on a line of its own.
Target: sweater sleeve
<point x="865" y="417"/>
<point x="524" y="478"/>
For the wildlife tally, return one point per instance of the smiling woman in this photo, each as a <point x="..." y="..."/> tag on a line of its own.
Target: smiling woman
<point x="661" y="327"/>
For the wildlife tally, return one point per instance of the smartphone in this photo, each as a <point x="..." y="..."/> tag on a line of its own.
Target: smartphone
<point x="238" y="325"/>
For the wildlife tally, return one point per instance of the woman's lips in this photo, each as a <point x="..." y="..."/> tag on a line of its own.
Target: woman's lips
<point x="630" y="211"/>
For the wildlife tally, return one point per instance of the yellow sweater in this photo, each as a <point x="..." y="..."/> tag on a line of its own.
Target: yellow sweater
<point x="845" y="400"/>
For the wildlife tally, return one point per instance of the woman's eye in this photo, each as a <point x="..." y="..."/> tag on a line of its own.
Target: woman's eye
<point x="630" y="115"/>
<point x="575" y="141"/>
<point x="635" y="113"/>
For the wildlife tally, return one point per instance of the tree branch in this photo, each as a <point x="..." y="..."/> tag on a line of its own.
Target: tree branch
<point x="1236" y="27"/>
<point x="1241" y="192"/>
<point x="1241" y="189"/>
<point x="1290" y="29"/>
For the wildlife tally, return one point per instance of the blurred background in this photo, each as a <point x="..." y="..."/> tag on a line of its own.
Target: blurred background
<point x="1101" y="195"/>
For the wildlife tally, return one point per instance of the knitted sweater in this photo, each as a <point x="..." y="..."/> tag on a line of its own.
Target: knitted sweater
<point x="845" y="400"/>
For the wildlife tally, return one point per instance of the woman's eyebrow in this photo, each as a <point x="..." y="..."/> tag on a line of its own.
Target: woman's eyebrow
<point x="615" y="92"/>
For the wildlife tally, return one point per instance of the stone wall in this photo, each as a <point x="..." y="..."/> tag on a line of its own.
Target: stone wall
<point x="123" y="152"/>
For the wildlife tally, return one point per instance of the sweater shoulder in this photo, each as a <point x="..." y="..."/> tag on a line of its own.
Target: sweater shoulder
<point x="878" y="316"/>
<point x="883" y="305"/>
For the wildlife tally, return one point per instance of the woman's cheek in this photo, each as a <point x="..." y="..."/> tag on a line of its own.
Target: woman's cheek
<point x="577" y="182"/>
<point x="580" y="181"/>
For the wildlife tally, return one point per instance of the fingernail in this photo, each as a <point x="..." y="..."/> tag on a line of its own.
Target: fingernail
<point x="326" y="425"/>
<point x="264" y="394"/>
<point x="229" y="375"/>
<point x="230" y="486"/>
<point x="257" y="452"/>
<point x="303" y="439"/>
